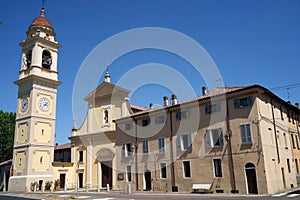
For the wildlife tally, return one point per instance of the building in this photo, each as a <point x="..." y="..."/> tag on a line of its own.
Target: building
<point x="63" y="166"/>
<point x="94" y="141"/>
<point x="236" y="139"/>
<point x="5" y="172"/>
<point x="36" y="107"/>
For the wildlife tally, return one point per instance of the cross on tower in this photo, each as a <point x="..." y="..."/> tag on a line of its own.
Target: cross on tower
<point x="43" y="3"/>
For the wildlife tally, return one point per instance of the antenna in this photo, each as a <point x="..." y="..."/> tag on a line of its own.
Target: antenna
<point x="287" y="87"/>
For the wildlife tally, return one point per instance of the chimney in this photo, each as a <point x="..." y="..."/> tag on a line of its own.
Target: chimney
<point x="166" y="100"/>
<point x="151" y="105"/>
<point x="204" y="90"/>
<point x="56" y="145"/>
<point x="289" y="102"/>
<point x="297" y="105"/>
<point x="174" y="99"/>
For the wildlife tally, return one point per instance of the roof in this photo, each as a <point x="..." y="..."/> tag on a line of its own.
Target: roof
<point x="7" y="162"/>
<point x="214" y="93"/>
<point x="41" y="21"/>
<point x="63" y="146"/>
<point x="105" y="89"/>
<point x="137" y="108"/>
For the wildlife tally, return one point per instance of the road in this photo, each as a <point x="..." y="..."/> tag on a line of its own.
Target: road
<point x="148" y="195"/>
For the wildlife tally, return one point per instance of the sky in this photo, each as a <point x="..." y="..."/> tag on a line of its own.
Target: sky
<point x="250" y="42"/>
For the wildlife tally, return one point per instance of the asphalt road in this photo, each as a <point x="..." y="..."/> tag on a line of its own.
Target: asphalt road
<point x="148" y="195"/>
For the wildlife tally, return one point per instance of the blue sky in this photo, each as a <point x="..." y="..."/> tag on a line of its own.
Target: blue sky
<point x="251" y="42"/>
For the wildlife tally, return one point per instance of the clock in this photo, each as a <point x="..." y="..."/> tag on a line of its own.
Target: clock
<point x="44" y="104"/>
<point x="24" y="104"/>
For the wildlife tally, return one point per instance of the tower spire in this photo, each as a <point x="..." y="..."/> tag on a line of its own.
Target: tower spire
<point x="43" y="8"/>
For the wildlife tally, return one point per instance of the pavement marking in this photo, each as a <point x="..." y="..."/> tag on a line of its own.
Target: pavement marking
<point x="83" y="197"/>
<point x="293" y="195"/>
<point x="279" y="195"/>
<point x="105" y="199"/>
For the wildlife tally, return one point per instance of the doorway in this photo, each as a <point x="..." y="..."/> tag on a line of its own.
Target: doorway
<point x="251" y="178"/>
<point x="106" y="168"/>
<point x="62" y="180"/>
<point x="148" y="180"/>
<point x="40" y="185"/>
<point x="80" y="179"/>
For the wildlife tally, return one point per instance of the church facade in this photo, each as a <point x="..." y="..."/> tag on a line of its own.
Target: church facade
<point x="232" y="140"/>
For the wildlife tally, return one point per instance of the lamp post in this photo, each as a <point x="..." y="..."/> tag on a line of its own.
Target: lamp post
<point x="228" y="136"/>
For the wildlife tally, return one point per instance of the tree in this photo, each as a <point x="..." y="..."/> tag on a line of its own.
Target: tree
<point x="7" y="131"/>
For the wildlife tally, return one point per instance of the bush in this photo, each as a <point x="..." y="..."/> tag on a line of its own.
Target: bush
<point x="32" y="185"/>
<point x="48" y="185"/>
<point x="56" y="184"/>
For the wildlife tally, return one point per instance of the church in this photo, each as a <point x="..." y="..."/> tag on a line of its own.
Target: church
<point x="172" y="148"/>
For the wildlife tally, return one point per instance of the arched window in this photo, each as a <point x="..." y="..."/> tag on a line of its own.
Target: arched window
<point x="106" y="116"/>
<point x="46" y="59"/>
<point x="28" y="58"/>
<point x="249" y="165"/>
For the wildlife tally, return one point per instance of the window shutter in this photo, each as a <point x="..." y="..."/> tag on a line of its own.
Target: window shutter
<point x="207" y="142"/>
<point x="248" y="133"/>
<point x="249" y="100"/>
<point x="123" y="150"/>
<point x="218" y="107"/>
<point x="236" y="103"/>
<point x="190" y="142"/>
<point x="206" y="109"/>
<point x="178" y="143"/>
<point x="243" y="133"/>
<point x="221" y="137"/>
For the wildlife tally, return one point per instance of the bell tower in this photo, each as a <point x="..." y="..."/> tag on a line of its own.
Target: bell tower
<point x="36" y="107"/>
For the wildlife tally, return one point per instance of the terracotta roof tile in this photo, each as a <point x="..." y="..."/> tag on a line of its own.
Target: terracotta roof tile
<point x="63" y="146"/>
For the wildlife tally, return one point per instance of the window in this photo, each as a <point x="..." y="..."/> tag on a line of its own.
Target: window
<point x="80" y="156"/>
<point x="128" y="173"/>
<point x="297" y="167"/>
<point x="163" y="170"/>
<point x="243" y="102"/>
<point x="293" y="141"/>
<point x="127" y="149"/>
<point x="288" y="115"/>
<point x="297" y="141"/>
<point x="285" y="141"/>
<point x="184" y="142"/>
<point x="105" y="116"/>
<point x="46" y="59"/>
<point x="245" y="133"/>
<point x="281" y="113"/>
<point x="128" y="126"/>
<point x="145" y="147"/>
<point x="292" y="115"/>
<point x="41" y="159"/>
<point x="160" y="120"/>
<point x="42" y="131"/>
<point x="218" y="167"/>
<point x="161" y="145"/>
<point x="182" y="115"/>
<point x="212" y="108"/>
<point x="186" y="169"/>
<point x="214" y="137"/>
<point x="288" y="165"/>
<point x="145" y="122"/>
<point x="20" y="161"/>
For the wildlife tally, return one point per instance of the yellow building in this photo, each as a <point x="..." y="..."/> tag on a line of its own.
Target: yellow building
<point x="36" y="107"/>
<point x="235" y="140"/>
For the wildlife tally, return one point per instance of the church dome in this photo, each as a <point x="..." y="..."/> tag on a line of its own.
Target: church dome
<point x="41" y="21"/>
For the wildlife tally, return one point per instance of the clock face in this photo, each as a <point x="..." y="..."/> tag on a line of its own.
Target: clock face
<point x="44" y="104"/>
<point x="24" y="104"/>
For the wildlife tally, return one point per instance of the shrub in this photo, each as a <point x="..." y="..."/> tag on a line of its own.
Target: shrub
<point x="48" y="185"/>
<point x="32" y="185"/>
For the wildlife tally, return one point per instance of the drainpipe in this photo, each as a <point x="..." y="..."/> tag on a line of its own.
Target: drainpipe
<point x="275" y="131"/>
<point x="171" y="152"/>
<point x="228" y="137"/>
<point x="136" y="157"/>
